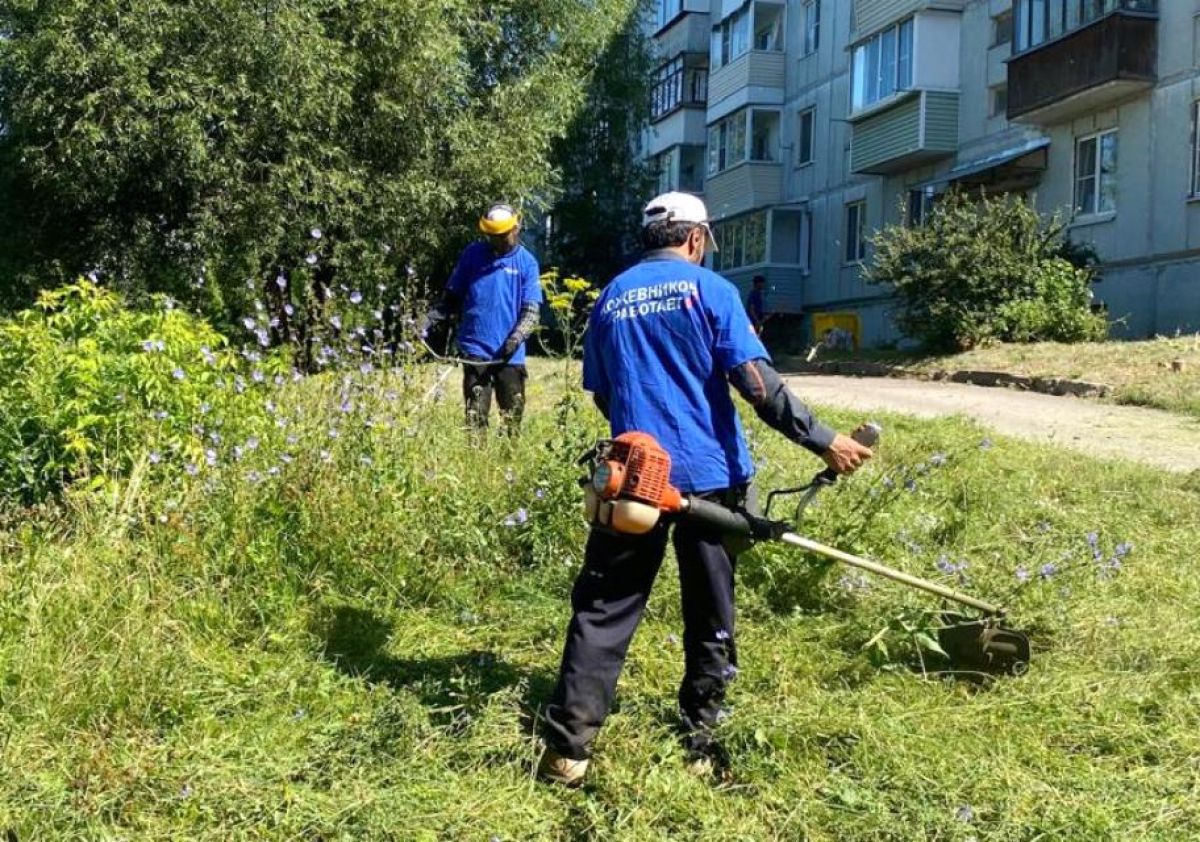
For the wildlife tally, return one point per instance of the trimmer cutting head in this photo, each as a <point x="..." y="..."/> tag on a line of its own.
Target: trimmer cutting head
<point x="984" y="644"/>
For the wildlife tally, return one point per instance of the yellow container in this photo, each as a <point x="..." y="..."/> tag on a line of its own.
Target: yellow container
<point x="845" y="327"/>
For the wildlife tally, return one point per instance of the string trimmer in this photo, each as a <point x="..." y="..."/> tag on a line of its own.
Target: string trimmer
<point x="629" y="490"/>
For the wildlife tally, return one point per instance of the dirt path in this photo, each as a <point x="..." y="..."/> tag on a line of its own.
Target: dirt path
<point x="1098" y="429"/>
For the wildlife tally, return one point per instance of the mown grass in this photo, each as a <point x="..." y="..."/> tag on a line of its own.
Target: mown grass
<point x="1140" y="373"/>
<point x="357" y="648"/>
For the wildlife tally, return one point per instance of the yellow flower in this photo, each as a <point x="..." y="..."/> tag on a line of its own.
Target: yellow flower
<point x="576" y="284"/>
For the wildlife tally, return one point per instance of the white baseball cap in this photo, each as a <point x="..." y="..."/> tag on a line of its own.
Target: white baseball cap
<point x="678" y="207"/>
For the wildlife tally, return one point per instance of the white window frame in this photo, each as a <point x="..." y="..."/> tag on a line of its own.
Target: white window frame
<point x="855" y="246"/>
<point x="880" y="68"/>
<point x="811" y="31"/>
<point x="734" y="238"/>
<point x="804" y="156"/>
<point x="723" y="154"/>
<point x="731" y="38"/>
<point x="1097" y="175"/>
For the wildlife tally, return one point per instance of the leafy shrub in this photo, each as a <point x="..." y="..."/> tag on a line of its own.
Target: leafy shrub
<point x="983" y="270"/>
<point x="87" y="385"/>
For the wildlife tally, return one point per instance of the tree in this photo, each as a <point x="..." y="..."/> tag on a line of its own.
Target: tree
<point x="597" y="215"/>
<point x="982" y="270"/>
<point x="224" y="152"/>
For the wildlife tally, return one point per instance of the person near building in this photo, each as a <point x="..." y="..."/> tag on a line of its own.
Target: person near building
<point x="494" y="295"/>
<point x="665" y="341"/>
<point x="756" y="304"/>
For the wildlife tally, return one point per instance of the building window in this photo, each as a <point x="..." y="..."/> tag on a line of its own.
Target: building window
<point x="731" y="38"/>
<point x="1038" y="21"/>
<point x="804" y="138"/>
<point x="768" y="28"/>
<point x="764" y="136"/>
<point x="856" y="243"/>
<point x="883" y="65"/>
<point x="812" y="26"/>
<point x="1096" y="174"/>
<point x="741" y="242"/>
<point x="920" y="204"/>
<point x="676" y="84"/>
<point x="999" y="101"/>
<point x="667" y="11"/>
<point x="665" y="165"/>
<point x="750" y="134"/>
<point x="727" y="143"/>
<point x="1196" y="148"/>
<point x="1002" y="29"/>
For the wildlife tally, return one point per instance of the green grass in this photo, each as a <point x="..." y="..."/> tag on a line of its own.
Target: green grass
<point x="1139" y="373"/>
<point x="358" y="651"/>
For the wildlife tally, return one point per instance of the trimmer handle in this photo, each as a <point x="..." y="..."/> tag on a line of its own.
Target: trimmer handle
<point x="732" y="522"/>
<point x="867" y="435"/>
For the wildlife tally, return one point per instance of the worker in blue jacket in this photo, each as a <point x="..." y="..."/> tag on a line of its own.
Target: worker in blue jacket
<point x="665" y="341"/>
<point x="494" y="293"/>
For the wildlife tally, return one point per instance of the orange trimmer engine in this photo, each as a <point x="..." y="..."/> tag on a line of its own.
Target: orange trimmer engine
<point x="630" y="486"/>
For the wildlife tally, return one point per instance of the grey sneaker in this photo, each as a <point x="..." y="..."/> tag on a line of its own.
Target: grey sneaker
<point x="556" y="769"/>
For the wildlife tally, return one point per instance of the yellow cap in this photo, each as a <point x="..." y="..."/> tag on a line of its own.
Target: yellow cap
<point x="500" y="219"/>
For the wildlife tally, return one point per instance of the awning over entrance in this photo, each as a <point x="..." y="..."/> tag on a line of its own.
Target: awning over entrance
<point x="1012" y="165"/>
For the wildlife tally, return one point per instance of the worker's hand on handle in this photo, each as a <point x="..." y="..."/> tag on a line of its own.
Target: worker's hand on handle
<point x="845" y="455"/>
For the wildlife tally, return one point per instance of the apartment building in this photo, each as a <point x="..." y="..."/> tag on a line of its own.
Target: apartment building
<point x="809" y="124"/>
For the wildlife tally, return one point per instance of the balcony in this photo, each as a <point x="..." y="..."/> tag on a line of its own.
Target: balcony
<point x="688" y="32"/>
<point x="1089" y="68"/>
<point x="759" y="69"/>
<point x="682" y="127"/>
<point x="912" y="128"/>
<point x="749" y="185"/>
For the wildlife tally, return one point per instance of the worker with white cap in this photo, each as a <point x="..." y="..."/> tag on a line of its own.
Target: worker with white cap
<point x="665" y="341"/>
<point x="494" y="293"/>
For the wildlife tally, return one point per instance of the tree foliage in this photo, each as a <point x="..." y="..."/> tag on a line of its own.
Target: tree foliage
<point x="982" y="270"/>
<point x="597" y="216"/>
<point x="220" y="151"/>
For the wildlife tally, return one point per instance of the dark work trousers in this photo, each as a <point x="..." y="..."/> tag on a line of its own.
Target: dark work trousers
<point x="608" y="599"/>
<point x="508" y="381"/>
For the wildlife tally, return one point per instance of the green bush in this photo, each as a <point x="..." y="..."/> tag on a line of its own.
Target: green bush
<point x="984" y="270"/>
<point x="88" y="387"/>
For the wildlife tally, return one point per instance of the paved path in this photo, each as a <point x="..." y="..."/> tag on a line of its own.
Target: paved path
<point x="1158" y="438"/>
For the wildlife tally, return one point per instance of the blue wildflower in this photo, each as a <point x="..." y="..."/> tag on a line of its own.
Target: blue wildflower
<point x="281" y="281"/>
<point x="179" y="374"/>
<point x="155" y="457"/>
<point x="366" y="368"/>
<point x="1048" y="569"/>
<point x="289" y="309"/>
<point x="965" y="813"/>
<point x="192" y="468"/>
<point x="722" y="634"/>
<point x="336" y="321"/>
<point x="938" y="459"/>
<point x="257" y="376"/>
<point x="316" y="233"/>
<point x="730" y="672"/>
<point x="910" y="484"/>
<point x="1022" y="574"/>
<point x="249" y="323"/>
<point x="311" y="260"/>
<point x="356" y="297"/>
<point x="210" y="456"/>
<point x="986" y="444"/>
<point x="252" y="443"/>
<point x="254" y="477"/>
